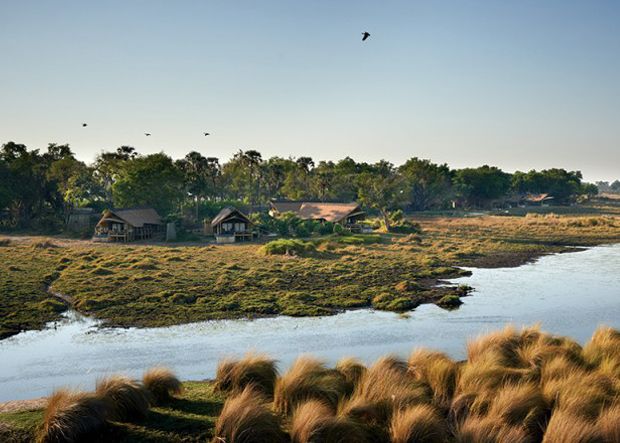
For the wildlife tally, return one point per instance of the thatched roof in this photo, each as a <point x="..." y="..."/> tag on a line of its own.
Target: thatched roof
<point x="229" y="212"/>
<point x="136" y="217"/>
<point x="538" y="198"/>
<point x="332" y="212"/>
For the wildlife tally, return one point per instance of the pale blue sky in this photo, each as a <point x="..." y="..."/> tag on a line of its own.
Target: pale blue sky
<point x="517" y="84"/>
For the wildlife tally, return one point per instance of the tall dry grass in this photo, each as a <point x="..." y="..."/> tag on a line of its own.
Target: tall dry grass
<point x="315" y="422"/>
<point x="162" y="384"/>
<point x="72" y="417"/>
<point x="352" y="370"/>
<point x="246" y="418"/>
<point x="418" y="424"/>
<point x="126" y="399"/>
<point x="308" y="379"/>
<point x="255" y="369"/>
<point x="438" y="371"/>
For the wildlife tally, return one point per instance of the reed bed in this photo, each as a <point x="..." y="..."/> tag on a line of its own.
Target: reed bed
<point x="516" y="385"/>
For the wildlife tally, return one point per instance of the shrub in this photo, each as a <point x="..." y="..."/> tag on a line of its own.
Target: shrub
<point x="288" y="247"/>
<point x="257" y="370"/>
<point x="246" y="419"/>
<point x="72" y="417"/>
<point x="450" y="301"/>
<point x="314" y="422"/>
<point x="308" y="379"/>
<point x="418" y="424"/>
<point x="126" y="399"/>
<point x="5" y="242"/>
<point x="162" y="384"/>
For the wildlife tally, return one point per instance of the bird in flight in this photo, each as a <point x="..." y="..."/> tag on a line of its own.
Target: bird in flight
<point x="206" y="133"/>
<point x="148" y="134"/>
<point x="84" y="125"/>
<point x="365" y="35"/>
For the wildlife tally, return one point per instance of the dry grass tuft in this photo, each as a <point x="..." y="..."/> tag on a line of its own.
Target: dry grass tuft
<point x="308" y="379"/>
<point x="127" y="400"/>
<point x="72" y="417"/>
<point x="438" y="371"/>
<point x="386" y="387"/>
<point x="564" y="427"/>
<point x="314" y="422"/>
<point x="418" y="424"/>
<point x="162" y="383"/>
<point x="352" y="370"/>
<point x="245" y="418"/>
<point x="608" y="424"/>
<point x="258" y="370"/>
<point x="604" y="345"/>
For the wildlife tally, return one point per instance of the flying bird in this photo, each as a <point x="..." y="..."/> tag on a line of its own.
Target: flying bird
<point x="365" y="35"/>
<point x="207" y="133"/>
<point x="148" y="134"/>
<point x="84" y="125"/>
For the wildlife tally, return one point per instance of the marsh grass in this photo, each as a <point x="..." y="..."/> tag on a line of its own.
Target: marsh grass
<point x="72" y="417"/>
<point x="246" y="418"/>
<point x="126" y="399"/>
<point x="257" y="370"/>
<point x="162" y="384"/>
<point x="308" y="379"/>
<point x="507" y="393"/>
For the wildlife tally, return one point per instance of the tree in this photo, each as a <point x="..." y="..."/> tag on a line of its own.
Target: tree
<point x="383" y="190"/>
<point x="479" y="186"/>
<point x="151" y="180"/>
<point x="615" y="186"/>
<point x="429" y="185"/>
<point x="108" y="164"/>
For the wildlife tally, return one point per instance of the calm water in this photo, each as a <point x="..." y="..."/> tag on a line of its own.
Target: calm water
<point x="569" y="294"/>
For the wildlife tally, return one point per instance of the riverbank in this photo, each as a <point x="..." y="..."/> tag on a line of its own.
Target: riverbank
<point x="524" y="383"/>
<point x="163" y="285"/>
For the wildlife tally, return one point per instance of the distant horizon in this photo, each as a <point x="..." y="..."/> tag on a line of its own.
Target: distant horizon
<point x="518" y="85"/>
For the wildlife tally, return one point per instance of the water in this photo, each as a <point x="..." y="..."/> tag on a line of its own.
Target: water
<point x="569" y="294"/>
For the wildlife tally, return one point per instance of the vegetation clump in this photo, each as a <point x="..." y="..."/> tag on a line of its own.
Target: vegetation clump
<point x="288" y="247"/>
<point x="256" y="370"/>
<point x="162" y="384"/>
<point x="126" y="399"/>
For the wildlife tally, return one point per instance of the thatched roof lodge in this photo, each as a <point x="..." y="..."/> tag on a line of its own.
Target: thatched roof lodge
<point x="128" y="224"/>
<point x="231" y="225"/>
<point x="347" y="214"/>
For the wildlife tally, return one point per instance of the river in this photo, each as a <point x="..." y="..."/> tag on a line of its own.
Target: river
<point x="568" y="294"/>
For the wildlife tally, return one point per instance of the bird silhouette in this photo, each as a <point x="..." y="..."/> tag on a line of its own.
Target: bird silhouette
<point x="84" y="125"/>
<point x="148" y="134"/>
<point x="206" y="133"/>
<point x="365" y="35"/>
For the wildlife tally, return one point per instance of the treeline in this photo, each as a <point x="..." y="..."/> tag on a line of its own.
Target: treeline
<point x="38" y="189"/>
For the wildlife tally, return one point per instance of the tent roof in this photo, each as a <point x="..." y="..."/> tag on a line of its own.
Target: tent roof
<point x="227" y="212"/>
<point x="136" y="217"/>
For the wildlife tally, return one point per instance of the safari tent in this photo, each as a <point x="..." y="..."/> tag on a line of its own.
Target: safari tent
<point x="128" y="224"/>
<point x="346" y="214"/>
<point x="231" y="225"/>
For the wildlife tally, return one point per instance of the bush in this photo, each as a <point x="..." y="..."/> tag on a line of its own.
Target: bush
<point x="126" y="399"/>
<point x="5" y="242"/>
<point x="450" y="301"/>
<point x="288" y="247"/>
<point x="162" y="384"/>
<point x="72" y="417"/>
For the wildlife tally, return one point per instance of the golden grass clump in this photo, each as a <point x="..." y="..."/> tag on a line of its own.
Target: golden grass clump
<point x="162" y="384"/>
<point x="72" y="417"/>
<point x="308" y="378"/>
<point x="520" y="405"/>
<point x="387" y="386"/>
<point x="438" y="371"/>
<point x="126" y="399"/>
<point x="245" y="418"/>
<point x="564" y="427"/>
<point x="352" y="370"/>
<point x="418" y="424"/>
<point x="604" y="345"/>
<point x="608" y="424"/>
<point x="478" y="429"/>
<point x="258" y="370"/>
<point x="315" y="422"/>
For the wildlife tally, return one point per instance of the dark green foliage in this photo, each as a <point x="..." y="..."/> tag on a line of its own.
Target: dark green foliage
<point x="288" y="247"/>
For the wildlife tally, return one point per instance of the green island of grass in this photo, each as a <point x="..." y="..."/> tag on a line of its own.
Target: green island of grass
<point x="165" y="284"/>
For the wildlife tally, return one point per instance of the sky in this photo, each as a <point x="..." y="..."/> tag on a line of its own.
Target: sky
<point x="522" y="85"/>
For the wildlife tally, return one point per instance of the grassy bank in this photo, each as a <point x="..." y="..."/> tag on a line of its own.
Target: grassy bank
<point x="515" y="386"/>
<point x="158" y="285"/>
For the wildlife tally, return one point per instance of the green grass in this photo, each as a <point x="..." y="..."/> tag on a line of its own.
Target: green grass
<point x="160" y="285"/>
